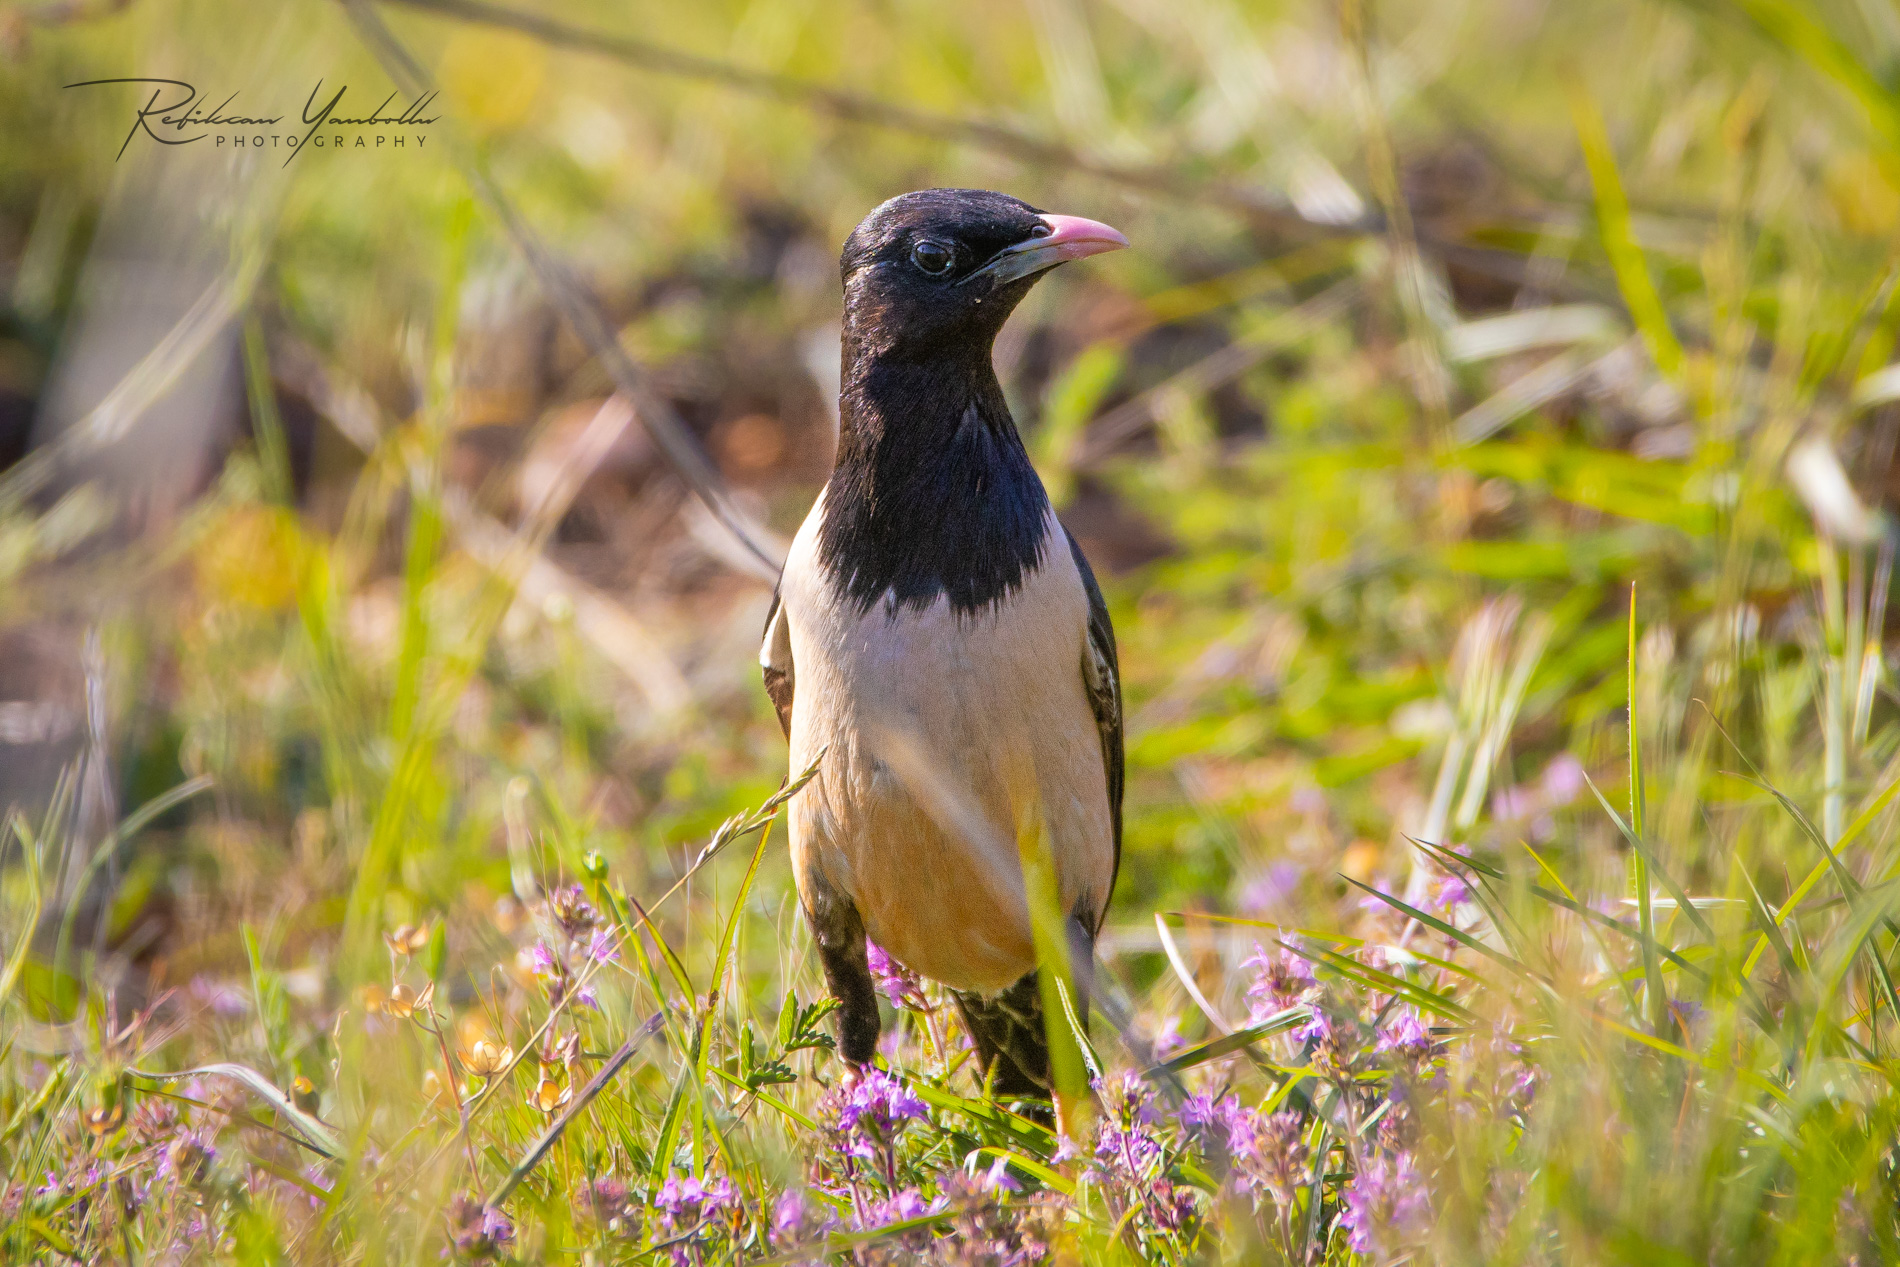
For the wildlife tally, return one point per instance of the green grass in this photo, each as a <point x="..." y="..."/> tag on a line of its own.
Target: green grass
<point x="1513" y="684"/>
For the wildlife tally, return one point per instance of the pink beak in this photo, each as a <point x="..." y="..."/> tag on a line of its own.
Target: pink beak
<point x="1075" y="238"/>
<point x="1068" y="238"/>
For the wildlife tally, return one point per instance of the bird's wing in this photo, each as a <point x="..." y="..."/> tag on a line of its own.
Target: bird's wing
<point x="1102" y="676"/>
<point x="775" y="665"/>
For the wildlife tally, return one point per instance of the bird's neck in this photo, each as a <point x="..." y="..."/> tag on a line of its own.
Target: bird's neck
<point x="933" y="495"/>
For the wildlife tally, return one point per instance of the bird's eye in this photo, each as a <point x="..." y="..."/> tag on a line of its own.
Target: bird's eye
<point x="933" y="257"/>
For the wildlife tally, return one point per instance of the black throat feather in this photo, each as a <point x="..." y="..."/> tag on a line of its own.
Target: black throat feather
<point x="933" y="494"/>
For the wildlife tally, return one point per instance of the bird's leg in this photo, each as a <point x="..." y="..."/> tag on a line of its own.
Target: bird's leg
<point x="840" y="935"/>
<point x="849" y="975"/>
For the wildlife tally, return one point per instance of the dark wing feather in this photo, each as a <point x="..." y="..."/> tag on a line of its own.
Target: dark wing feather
<point x="1102" y="675"/>
<point x="775" y="665"/>
<point x="1008" y="1028"/>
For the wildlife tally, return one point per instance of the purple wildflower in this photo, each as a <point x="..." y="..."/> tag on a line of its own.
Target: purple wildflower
<point x="1274" y="1158"/>
<point x="795" y="1221"/>
<point x="906" y="1204"/>
<point x="1282" y="981"/>
<point x="1449" y="892"/>
<point x="1128" y="1097"/>
<point x="1327" y="1041"/>
<point x="1518" y="1089"/>
<point x="603" y="948"/>
<point x="1127" y="1151"/>
<point x="879" y="1104"/>
<point x="1386" y="1203"/>
<point x="1172" y="1207"/>
<point x="542" y="963"/>
<point x="788" y="1216"/>
<point x="153" y="1121"/>
<point x="899" y="984"/>
<point x="605" y="1202"/>
<point x="1268" y="1156"/>
<point x="315" y="1176"/>
<point x="1129" y="1157"/>
<point x="1205" y="1114"/>
<point x="1316" y="1029"/>
<point x="687" y="1206"/>
<point x="687" y="1203"/>
<point x="476" y="1231"/>
<point x="572" y="911"/>
<point x="218" y="997"/>
<point x="985" y="1229"/>
<point x="1167" y="1038"/>
<point x="1266" y="893"/>
<point x="998" y="1179"/>
<point x="551" y="968"/>
<point x="1242" y="1139"/>
<point x="1406" y="1036"/>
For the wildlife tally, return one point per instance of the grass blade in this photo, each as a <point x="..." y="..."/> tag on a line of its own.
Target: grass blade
<point x="673" y="963"/>
<point x="1092" y="1061"/>
<point x="582" y="1098"/>
<point x="1227" y="1044"/>
<point x="1433" y="922"/>
<point x="321" y="1138"/>
<point x="1651" y="863"/>
<point x="1619" y="242"/>
<point x="1019" y="1130"/>
<point x="1055" y="1181"/>
<point x="36" y="902"/>
<point x="1421" y="998"/>
<point x="1652" y="970"/>
<point x="1186" y="977"/>
<point x="1813" y="833"/>
<point x="668" y="1141"/>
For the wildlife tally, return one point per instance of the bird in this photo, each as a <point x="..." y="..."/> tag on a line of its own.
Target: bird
<point x="939" y="646"/>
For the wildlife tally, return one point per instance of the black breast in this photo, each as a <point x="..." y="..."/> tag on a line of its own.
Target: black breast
<point x="914" y="512"/>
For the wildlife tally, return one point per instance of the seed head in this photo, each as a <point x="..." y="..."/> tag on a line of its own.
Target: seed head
<point x="485" y="1059"/>
<point x="105" y="1119"/>
<point x="407" y="939"/>
<point x="401" y="1001"/>
<point x="550" y="1096"/>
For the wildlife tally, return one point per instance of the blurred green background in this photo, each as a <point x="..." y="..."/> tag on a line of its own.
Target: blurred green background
<point x="1451" y="330"/>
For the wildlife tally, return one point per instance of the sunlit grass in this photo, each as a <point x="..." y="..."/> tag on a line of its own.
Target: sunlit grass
<point x="1511" y="865"/>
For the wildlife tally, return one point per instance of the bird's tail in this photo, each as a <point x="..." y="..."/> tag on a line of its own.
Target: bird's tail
<point x="1007" y="1029"/>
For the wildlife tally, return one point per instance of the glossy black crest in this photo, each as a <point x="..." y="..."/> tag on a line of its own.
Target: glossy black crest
<point x="933" y="494"/>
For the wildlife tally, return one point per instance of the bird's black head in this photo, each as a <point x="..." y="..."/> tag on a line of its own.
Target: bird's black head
<point x="938" y="271"/>
<point x="933" y="494"/>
